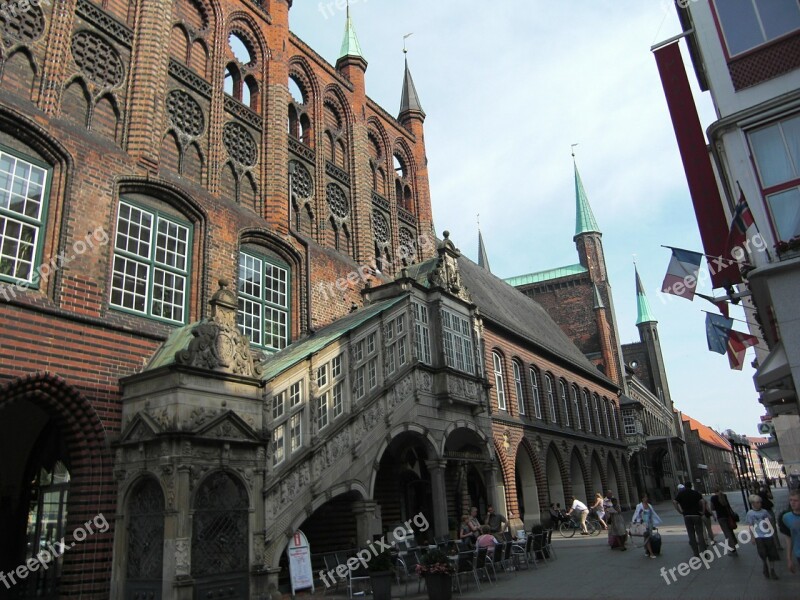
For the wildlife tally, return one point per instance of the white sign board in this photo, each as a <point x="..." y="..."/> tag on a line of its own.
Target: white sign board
<point x="300" y="563"/>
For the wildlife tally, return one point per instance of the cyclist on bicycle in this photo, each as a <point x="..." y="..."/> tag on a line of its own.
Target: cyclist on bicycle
<point x="583" y="512"/>
<point x="557" y="515"/>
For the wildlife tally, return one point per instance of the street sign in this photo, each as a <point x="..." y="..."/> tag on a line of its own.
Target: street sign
<point x="766" y="428"/>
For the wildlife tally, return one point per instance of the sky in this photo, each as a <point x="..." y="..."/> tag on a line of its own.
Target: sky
<point x="507" y="90"/>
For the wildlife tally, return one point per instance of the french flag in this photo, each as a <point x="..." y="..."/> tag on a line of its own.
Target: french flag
<point x="681" y="277"/>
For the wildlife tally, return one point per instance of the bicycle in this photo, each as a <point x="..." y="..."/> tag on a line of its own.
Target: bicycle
<point x="568" y="528"/>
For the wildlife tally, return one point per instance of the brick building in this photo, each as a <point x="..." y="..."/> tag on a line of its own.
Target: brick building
<point x="225" y="316"/>
<point x="710" y="456"/>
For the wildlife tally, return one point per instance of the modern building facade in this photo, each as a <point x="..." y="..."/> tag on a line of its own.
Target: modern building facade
<point x="745" y="55"/>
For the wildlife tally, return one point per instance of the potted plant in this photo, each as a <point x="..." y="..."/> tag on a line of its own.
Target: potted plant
<point x="381" y="571"/>
<point x="437" y="570"/>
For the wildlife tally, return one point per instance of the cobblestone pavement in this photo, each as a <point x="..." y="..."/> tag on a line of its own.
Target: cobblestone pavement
<point x="586" y="568"/>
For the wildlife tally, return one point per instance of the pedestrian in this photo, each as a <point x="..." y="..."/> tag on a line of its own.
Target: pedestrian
<point x="645" y="513"/>
<point x="583" y="512"/>
<point x="465" y="533"/>
<point x="688" y="503"/>
<point x="556" y="515"/>
<point x="474" y="523"/>
<point x="706" y="515"/>
<point x="790" y="526"/>
<point x="497" y="523"/>
<point x="725" y="517"/>
<point x="597" y="507"/>
<point x="617" y="534"/>
<point x="766" y="503"/>
<point x="763" y="532"/>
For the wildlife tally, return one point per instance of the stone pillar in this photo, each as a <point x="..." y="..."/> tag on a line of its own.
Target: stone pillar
<point x="368" y="521"/>
<point x="436" y="469"/>
<point x="181" y="583"/>
<point x="494" y="491"/>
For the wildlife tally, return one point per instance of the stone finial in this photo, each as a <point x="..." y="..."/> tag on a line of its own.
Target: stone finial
<point x="446" y="274"/>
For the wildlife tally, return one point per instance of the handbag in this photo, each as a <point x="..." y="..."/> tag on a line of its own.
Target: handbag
<point x="638" y="529"/>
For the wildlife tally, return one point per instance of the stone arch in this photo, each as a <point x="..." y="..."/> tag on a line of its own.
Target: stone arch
<point x="87" y="447"/>
<point x="464" y="424"/>
<point x="579" y="476"/>
<point x="420" y="431"/>
<point x="556" y="474"/>
<point x="333" y="93"/>
<point x="597" y="475"/>
<point x="179" y="43"/>
<point x="306" y="79"/>
<point x="105" y="117"/>
<point x="616" y="481"/>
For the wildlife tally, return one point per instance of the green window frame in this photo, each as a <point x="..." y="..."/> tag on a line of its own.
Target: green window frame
<point x="24" y="203"/>
<point x="152" y="263"/>
<point x="264" y="300"/>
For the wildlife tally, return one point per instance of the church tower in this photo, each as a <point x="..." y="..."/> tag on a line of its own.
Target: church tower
<point x="653" y="371"/>
<point x="588" y="237"/>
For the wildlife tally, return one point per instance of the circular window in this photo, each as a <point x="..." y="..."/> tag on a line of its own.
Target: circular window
<point x="240" y="144"/>
<point x="185" y="113"/>
<point x="337" y="201"/>
<point x="97" y="59"/>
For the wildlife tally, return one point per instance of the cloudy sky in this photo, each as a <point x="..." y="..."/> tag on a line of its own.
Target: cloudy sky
<point x="507" y="87"/>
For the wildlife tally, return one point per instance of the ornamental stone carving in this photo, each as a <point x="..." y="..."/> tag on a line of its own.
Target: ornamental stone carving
<point x="97" y="59"/>
<point x="183" y="565"/>
<point x="446" y="274"/>
<point x="217" y="343"/>
<point x="424" y="381"/>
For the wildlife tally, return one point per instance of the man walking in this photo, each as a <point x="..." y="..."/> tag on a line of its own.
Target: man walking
<point x="495" y="521"/>
<point x="688" y="502"/>
<point x="583" y="512"/>
<point x="790" y="527"/>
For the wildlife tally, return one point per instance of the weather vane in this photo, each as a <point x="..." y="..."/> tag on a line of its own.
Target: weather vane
<point x="479" y="220"/>
<point x="405" y="37"/>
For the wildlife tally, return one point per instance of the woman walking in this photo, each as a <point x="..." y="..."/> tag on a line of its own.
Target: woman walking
<point x="725" y="517"/>
<point x="645" y="513"/>
<point x="597" y="507"/>
<point x="617" y="533"/>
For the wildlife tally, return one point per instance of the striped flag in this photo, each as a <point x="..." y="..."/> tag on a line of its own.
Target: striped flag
<point x="740" y="223"/>
<point x="737" y="346"/>
<point x="722" y="305"/>
<point x="681" y="277"/>
<point x="718" y="329"/>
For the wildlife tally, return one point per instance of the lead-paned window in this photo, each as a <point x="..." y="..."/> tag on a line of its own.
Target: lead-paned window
<point x="457" y="335"/>
<point x="498" y="381"/>
<point x="562" y="388"/>
<point x="422" y="341"/>
<point x="551" y="401"/>
<point x="296" y="431"/>
<point x="537" y="401"/>
<point x="278" y="444"/>
<point x="151" y="263"/>
<point x="24" y="189"/>
<point x="278" y="405"/>
<point x="518" y="387"/>
<point x="629" y="422"/>
<point x="264" y="301"/>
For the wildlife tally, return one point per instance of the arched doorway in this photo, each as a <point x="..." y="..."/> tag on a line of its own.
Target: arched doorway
<point x="220" y="535"/>
<point x="555" y="485"/>
<point x="145" y="534"/>
<point x="527" y="489"/>
<point x="576" y="478"/>
<point x="466" y="483"/>
<point x="597" y="476"/>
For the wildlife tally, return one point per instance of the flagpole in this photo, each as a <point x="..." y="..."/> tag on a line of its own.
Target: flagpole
<point x="711" y="256"/>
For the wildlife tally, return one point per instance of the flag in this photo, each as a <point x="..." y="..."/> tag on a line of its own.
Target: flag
<point x="740" y="223"/>
<point x="737" y="346"/>
<point x="681" y="277"/>
<point x="722" y="305"/>
<point x="717" y="332"/>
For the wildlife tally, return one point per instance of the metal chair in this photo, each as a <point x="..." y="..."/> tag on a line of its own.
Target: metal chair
<point x="497" y="558"/>
<point x="480" y="563"/>
<point x="522" y="553"/>
<point x="548" y="543"/>
<point x="360" y="573"/>
<point x="408" y="563"/>
<point x="464" y="566"/>
<point x="538" y="548"/>
<point x="330" y="565"/>
<point x="508" y="558"/>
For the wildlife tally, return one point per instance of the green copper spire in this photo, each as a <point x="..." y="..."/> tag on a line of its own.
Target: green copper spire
<point x="350" y="45"/>
<point x="584" y="222"/>
<point x="645" y="315"/>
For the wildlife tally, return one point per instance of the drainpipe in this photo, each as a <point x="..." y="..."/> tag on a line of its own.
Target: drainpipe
<point x="295" y="235"/>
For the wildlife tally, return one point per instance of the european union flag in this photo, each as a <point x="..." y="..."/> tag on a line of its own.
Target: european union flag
<point x="717" y="331"/>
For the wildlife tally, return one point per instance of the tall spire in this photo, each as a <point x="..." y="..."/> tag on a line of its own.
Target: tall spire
<point x="410" y="100"/>
<point x="584" y="221"/>
<point x="644" y="314"/>
<point x="350" y="45"/>
<point x="483" y="258"/>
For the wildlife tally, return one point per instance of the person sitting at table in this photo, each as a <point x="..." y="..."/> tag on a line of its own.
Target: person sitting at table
<point x="486" y="540"/>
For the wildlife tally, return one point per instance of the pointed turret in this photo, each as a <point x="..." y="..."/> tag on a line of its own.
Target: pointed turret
<point x="409" y="102"/>
<point x="350" y="45"/>
<point x="645" y="315"/>
<point x="584" y="217"/>
<point x="351" y="62"/>
<point x="483" y="258"/>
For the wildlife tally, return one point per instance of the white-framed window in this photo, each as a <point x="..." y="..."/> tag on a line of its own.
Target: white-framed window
<point x="537" y="401"/>
<point x="776" y="151"/>
<point x="295" y="394"/>
<point x="365" y="361"/>
<point x="279" y="444"/>
<point x="372" y="373"/>
<point x="422" y="336"/>
<point x="606" y="418"/>
<point x="498" y="381"/>
<point x="747" y="24"/>
<point x="330" y="385"/>
<point x="278" y="405"/>
<point x="457" y="336"/>
<point x="338" y="399"/>
<point x="322" y="375"/>
<point x="576" y="405"/>
<point x="322" y="410"/>
<point x="396" y="344"/>
<point x="371" y="343"/>
<point x="296" y="431"/>
<point x="629" y="422"/>
<point x="551" y="401"/>
<point x="358" y="383"/>
<point x="596" y="401"/>
<point x="562" y="389"/>
<point x="264" y="301"/>
<point x="518" y="387"/>
<point x="587" y="411"/>
<point x="614" y="420"/>
<point x="24" y="192"/>
<point x="151" y="263"/>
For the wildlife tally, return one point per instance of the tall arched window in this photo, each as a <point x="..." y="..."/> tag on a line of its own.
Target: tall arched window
<point x="562" y="390"/>
<point x="576" y="406"/>
<point x="587" y="411"/>
<point x="537" y="401"/>
<point x="606" y="417"/>
<point x="498" y="381"/>
<point x="518" y="387"/>
<point x="551" y="401"/>
<point x="596" y="402"/>
<point x="614" y="416"/>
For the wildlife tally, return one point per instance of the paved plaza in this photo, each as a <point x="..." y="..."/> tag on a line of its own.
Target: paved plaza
<point x="586" y="568"/>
